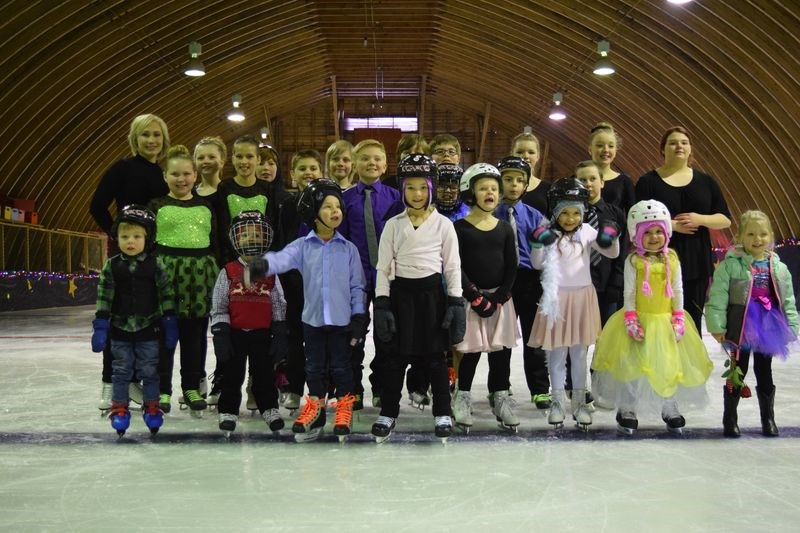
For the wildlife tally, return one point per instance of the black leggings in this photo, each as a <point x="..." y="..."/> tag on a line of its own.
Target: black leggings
<point x="193" y="341"/>
<point x="762" y="368"/>
<point x="252" y="345"/>
<point x="499" y="370"/>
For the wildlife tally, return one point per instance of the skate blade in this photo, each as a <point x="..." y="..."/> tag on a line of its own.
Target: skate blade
<point x="582" y="427"/>
<point x="342" y="438"/>
<point x="444" y="439"/>
<point x="308" y="436"/>
<point x="506" y="427"/>
<point x="622" y="430"/>
<point x="556" y="425"/>
<point x="675" y="431"/>
<point x="381" y="440"/>
<point x="464" y="428"/>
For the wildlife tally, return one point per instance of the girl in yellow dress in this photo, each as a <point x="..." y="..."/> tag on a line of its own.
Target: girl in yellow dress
<point x="647" y="354"/>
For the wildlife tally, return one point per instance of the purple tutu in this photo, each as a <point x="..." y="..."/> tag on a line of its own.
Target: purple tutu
<point x="766" y="330"/>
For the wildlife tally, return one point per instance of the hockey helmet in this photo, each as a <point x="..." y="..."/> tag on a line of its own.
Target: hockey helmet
<point x="567" y="190"/>
<point x="449" y="174"/>
<point x="250" y="234"/>
<point x="645" y="214"/>
<point x="513" y="162"/>
<point x="471" y="177"/>
<point x="141" y="216"/>
<point x="418" y="166"/>
<point x="312" y="197"/>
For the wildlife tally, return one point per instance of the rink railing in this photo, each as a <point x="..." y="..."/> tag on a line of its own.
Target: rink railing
<point x="35" y="248"/>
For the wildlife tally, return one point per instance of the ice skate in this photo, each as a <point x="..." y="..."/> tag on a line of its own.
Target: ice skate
<point x="589" y="401"/>
<point x="627" y="423"/>
<point x="273" y="419"/>
<point x="194" y="402"/>
<point x="541" y="401"/>
<point x="556" y="415"/>
<point x="491" y="398"/>
<point x="135" y="392"/>
<point x="227" y="423"/>
<point x="165" y="403"/>
<point x="443" y="427"/>
<point x="343" y="420"/>
<point x="418" y="400"/>
<point x="462" y="410"/>
<point x="105" y="398"/>
<point x="672" y="417"/>
<point x="382" y="428"/>
<point x="202" y="390"/>
<point x="580" y="411"/>
<point x="730" y="418"/>
<point x="152" y="415"/>
<point x="766" y="401"/>
<point x="311" y="422"/>
<point x="120" y="417"/>
<point x="251" y="400"/>
<point x="503" y="410"/>
<point x="292" y="404"/>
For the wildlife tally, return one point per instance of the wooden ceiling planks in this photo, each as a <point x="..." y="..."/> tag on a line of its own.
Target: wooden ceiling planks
<point x="75" y="73"/>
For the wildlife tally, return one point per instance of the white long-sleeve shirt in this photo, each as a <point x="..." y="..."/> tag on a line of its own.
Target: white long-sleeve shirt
<point x="573" y="256"/>
<point x="405" y="252"/>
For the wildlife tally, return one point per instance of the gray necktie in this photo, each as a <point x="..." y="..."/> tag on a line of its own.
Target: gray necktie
<point x="369" y="225"/>
<point x="594" y="221"/>
<point x="512" y="219"/>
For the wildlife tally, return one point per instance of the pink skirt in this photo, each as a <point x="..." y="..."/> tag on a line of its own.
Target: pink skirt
<point x="491" y="334"/>
<point x="578" y="320"/>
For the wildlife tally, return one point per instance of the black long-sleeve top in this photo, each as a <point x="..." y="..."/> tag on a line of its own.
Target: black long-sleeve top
<point x="488" y="258"/>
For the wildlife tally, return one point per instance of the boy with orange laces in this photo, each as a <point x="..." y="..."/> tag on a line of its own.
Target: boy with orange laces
<point x="366" y="206"/>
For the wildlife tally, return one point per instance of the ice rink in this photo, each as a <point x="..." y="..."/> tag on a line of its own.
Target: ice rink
<point x="63" y="468"/>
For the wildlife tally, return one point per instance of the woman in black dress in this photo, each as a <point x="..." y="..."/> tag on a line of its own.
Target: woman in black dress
<point x="618" y="187"/>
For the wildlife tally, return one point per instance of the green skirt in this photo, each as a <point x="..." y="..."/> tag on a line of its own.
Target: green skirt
<point x="193" y="280"/>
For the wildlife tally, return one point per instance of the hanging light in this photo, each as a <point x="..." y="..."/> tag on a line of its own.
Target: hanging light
<point x="678" y="2"/>
<point x="195" y="67"/>
<point x="603" y="67"/>
<point x="264" y="133"/>
<point x="557" y="112"/>
<point x="236" y="114"/>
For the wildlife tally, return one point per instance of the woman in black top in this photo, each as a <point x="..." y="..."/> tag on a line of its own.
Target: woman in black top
<point x="618" y="187"/>
<point x="696" y="205"/>
<point x="526" y="146"/>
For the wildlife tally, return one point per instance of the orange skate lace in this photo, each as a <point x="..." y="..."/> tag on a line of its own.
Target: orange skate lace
<point x="310" y="410"/>
<point x="118" y="410"/>
<point x="344" y="411"/>
<point x="451" y="374"/>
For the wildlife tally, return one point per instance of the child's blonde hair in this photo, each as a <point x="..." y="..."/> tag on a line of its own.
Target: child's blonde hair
<point x="753" y="215"/>
<point x="366" y="143"/>
<point x="604" y="127"/>
<point x="213" y="141"/>
<point x="179" y="151"/>
<point x="137" y="127"/>
<point x="525" y="137"/>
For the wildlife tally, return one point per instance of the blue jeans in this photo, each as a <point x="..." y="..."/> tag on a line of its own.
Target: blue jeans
<point x="328" y="345"/>
<point x="141" y="357"/>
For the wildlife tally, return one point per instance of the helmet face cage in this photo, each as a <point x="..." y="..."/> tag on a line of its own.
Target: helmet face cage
<point x="449" y="175"/>
<point x="311" y="198"/>
<point x="513" y="162"/>
<point x="418" y="166"/>
<point x="648" y="212"/>
<point x="471" y="177"/>
<point x="141" y="216"/>
<point x="250" y="234"/>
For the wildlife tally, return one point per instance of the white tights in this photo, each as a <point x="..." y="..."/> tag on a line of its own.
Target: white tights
<point x="557" y="366"/>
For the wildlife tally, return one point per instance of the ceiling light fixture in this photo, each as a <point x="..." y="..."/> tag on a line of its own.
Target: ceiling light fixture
<point x="678" y="2"/>
<point x="195" y="67"/>
<point x="557" y="112"/>
<point x="603" y="67"/>
<point x="264" y="132"/>
<point x="236" y="114"/>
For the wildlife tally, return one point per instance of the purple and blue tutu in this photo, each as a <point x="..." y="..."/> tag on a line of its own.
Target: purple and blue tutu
<point x="766" y="330"/>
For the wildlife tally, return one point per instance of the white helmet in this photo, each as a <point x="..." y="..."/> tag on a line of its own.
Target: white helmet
<point x="648" y="211"/>
<point x="472" y="174"/>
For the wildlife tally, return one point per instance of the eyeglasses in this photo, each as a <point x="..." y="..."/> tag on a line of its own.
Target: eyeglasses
<point x="443" y="151"/>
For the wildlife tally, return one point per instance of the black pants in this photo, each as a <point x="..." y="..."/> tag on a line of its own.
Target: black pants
<point x="526" y="292"/>
<point x="192" y="337"/>
<point x="393" y="370"/>
<point x="694" y="299"/>
<point x="762" y="368"/>
<point x="499" y="370"/>
<point x="252" y="345"/>
<point x="375" y="366"/>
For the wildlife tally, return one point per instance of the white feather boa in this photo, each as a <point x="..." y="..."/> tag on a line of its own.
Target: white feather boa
<point x="551" y="279"/>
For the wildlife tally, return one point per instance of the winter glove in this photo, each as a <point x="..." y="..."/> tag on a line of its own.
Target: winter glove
<point x="479" y="303"/>
<point x="169" y="323"/>
<point x="678" y="325"/>
<point x="455" y="319"/>
<point x="256" y="269"/>
<point x="384" y="322"/>
<point x="543" y="236"/>
<point x="279" y="346"/>
<point x="608" y="231"/>
<point x="359" y="323"/>
<point x="100" y="327"/>
<point x="223" y="347"/>
<point x="632" y="327"/>
<point x="498" y="297"/>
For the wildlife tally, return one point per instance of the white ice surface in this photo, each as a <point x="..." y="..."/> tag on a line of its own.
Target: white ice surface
<point x="62" y="467"/>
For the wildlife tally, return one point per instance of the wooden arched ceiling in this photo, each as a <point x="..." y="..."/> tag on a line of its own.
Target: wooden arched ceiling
<point x="75" y="73"/>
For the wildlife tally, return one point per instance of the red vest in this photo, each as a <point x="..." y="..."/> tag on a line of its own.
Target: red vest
<point x="248" y="308"/>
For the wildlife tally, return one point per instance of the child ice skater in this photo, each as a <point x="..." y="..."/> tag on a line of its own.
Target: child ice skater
<point x="135" y="301"/>
<point x="752" y="306"/>
<point x="488" y="269"/>
<point x="415" y="312"/>
<point x="334" y="313"/>
<point x="248" y="323"/>
<point x="568" y="319"/>
<point x="647" y="354"/>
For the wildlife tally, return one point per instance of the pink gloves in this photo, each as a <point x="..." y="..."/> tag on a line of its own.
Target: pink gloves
<point x="632" y="327"/>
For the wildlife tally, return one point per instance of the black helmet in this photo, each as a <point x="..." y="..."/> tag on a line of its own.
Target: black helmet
<point x="516" y="163"/>
<point x="141" y="216"/>
<point x="418" y="166"/>
<point x="567" y="190"/>
<point x="311" y="198"/>
<point x="449" y="174"/>
<point x="255" y="229"/>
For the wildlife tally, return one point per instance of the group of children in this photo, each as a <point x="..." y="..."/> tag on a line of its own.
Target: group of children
<point x="452" y="263"/>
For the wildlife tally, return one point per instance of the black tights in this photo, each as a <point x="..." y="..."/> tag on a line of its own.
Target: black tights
<point x="499" y="370"/>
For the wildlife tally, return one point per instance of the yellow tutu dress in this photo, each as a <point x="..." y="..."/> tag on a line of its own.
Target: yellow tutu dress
<point x="657" y="367"/>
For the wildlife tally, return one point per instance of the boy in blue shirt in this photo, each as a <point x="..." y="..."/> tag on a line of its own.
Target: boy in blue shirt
<point x="334" y="314"/>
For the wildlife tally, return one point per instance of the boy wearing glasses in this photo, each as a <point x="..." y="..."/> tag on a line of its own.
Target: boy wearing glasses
<point x="446" y="149"/>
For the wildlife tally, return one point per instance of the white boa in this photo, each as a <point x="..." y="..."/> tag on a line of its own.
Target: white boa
<point x="551" y="279"/>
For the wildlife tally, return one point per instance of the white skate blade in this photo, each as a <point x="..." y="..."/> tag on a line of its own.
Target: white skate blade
<point x="675" y="431"/>
<point x="507" y="427"/>
<point x="622" y="430"/>
<point x="308" y="436"/>
<point x="463" y="427"/>
<point x="381" y="440"/>
<point x="582" y="427"/>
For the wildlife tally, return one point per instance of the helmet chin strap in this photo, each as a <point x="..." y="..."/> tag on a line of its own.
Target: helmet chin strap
<point x="482" y="209"/>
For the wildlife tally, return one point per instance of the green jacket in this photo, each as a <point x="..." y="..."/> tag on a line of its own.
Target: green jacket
<point x="730" y="293"/>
